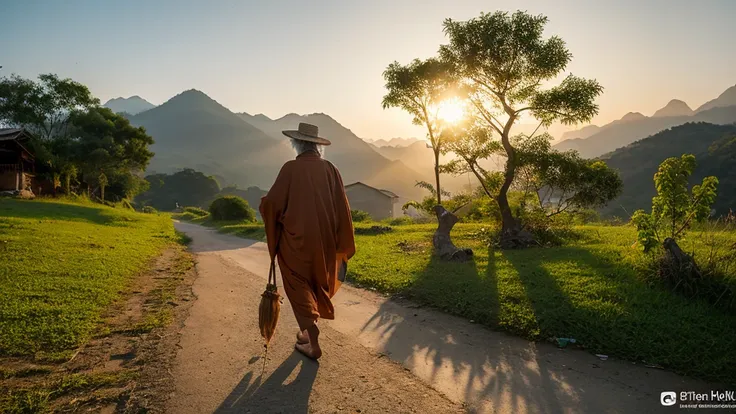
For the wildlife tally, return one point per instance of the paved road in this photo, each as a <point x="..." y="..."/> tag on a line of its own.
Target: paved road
<point x="380" y="356"/>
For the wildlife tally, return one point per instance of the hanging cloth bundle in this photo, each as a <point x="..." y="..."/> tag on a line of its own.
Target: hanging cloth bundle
<point x="270" y="307"/>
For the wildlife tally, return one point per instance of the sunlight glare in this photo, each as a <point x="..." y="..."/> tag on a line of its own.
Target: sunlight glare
<point x="451" y="110"/>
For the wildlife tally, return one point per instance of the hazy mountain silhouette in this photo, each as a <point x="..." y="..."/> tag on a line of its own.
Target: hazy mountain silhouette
<point x="192" y="130"/>
<point x="132" y="106"/>
<point x="727" y="98"/>
<point x="356" y="159"/>
<point x="714" y="147"/>
<point x="675" y="107"/>
<point x="394" y="142"/>
<point x="581" y="133"/>
<point x="635" y="127"/>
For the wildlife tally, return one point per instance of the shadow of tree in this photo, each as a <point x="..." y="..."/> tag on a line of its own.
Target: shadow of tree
<point x="275" y="395"/>
<point x="541" y="293"/>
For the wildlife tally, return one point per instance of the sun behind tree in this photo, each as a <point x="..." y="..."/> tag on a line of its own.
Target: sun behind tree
<point x="451" y="110"/>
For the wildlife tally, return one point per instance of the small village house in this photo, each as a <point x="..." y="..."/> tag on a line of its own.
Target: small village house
<point x="17" y="163"/>
<point x="378" y="203"/>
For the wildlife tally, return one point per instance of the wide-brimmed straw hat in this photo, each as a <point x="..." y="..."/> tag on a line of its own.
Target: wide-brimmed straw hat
<point x="307" y="132"/>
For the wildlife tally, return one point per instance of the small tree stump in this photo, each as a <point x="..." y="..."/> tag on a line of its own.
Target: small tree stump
<point x="442" y="242"/>
<point x="683" y="261"/>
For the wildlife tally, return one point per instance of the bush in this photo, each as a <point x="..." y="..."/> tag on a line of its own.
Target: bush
<point x="149" y="210"/>
<point x="196" y="211"/>
<point x="359" y="216"/>
<point x="232" y="208"/>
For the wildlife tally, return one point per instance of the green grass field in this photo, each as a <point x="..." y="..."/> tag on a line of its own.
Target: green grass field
<point x="62" y="264"/>
<point x="589" y="289"/>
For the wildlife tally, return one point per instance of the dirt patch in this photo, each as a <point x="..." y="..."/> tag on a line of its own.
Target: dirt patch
<point x="122" y="366"/>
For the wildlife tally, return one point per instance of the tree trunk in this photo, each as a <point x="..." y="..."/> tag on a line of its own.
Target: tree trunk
<point x="437" y="175"/>
<point x="442" y="242"/>
<point x="682" y="261"/>
<point x="512" y="235"/>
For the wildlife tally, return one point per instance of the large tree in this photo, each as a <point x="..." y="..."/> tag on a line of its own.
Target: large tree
<point x="504" y="63"/>
<point x="417" y="88"/>
<point x="187" y="188"/>
<point x="42" y="107"/>
<point x="105" y="144"/>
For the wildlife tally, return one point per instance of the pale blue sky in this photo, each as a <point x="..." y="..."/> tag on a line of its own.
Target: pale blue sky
<point x="278" y="57"/>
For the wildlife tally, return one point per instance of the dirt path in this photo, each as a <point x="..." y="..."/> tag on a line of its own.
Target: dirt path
<point x="380" y="356"/>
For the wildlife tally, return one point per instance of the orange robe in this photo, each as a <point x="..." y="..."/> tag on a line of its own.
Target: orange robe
<point x="309" y="226"/>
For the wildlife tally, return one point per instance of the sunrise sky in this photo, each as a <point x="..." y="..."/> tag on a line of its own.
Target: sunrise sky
<point x="278" y="57"/>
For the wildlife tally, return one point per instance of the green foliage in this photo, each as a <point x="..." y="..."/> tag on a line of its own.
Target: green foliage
<point x="417" y="88"/>
<point x="473" y="142"/>
<point x="63" y="264"/>
<point x="674" y="208"/>
<point x="562" y="181"/>
<point x="199" y="212"/>
<point x="185" y="188"/>
<point x="231" y="208"/>
<point x="149" y="210"/>
<point x="75" y="140"/>
<point x="712" y="145"/>
<point x="502" y="61"/>
<point x="42" y="107"/>
<point x="359" y="216"/>
<point x="106" y="143"/>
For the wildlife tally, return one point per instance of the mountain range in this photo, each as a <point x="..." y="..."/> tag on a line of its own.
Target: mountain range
<point x="356" y="159"/>
<point x="191" y="130"/>
<point x="132" y="106"/>
<point x="393" y="142"/>
<point x="593" y="141"/>
<point x="714" y="147"/>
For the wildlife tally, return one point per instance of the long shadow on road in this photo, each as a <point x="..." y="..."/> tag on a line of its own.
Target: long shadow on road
<point x="274" y="395"/>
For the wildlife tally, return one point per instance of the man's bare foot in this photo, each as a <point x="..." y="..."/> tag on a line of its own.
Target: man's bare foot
<point x="307" y="349"/>
<point x="302" y="337"/>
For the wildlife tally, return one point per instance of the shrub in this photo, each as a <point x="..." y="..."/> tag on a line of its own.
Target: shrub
<point x="196" y="211"/>
<point x="373" y="230"/>
<point x="359" y="216"/>
<point x="232" y="208"/>
<point x="149" y="210"/>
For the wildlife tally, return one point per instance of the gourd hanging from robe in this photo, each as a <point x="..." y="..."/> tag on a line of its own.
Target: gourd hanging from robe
<point x="309" y="228"/>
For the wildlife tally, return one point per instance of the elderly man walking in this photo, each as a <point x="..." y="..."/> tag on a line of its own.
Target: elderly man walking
<point x="310" y="229"/>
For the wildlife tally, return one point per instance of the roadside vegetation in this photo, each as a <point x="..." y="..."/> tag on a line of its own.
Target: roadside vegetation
<point x="63" y="263"/>
<point x="76" y="286"/>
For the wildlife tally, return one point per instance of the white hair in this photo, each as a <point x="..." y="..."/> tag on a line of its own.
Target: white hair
<point x="303" y="146"/>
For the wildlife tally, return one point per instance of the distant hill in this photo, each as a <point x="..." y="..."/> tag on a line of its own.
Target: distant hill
<point x="356" y="159"/>
<point x="714" y="147"/>
<point x="675" y="107"/>
<point x="581" y="133"/>
<point x="394" y="142"/>
<point x="132" y="106"/>
<point x="634" y="127"/>
<point x="191" y="130"/>
<point x="727" y="98"/>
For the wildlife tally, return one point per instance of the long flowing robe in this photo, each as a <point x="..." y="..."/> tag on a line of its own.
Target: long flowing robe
<point x="310" y="228"/>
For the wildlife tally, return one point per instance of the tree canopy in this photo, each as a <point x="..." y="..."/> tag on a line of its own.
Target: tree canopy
<point x="75" y="140"/>
<point x="502" y="63"/>
<point x="42" y="107"/>
<point x="188" y="188"/>
<point x="417" y="88"/>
